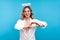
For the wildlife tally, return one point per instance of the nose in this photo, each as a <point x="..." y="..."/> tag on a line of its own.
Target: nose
<point x="27" y="12"/>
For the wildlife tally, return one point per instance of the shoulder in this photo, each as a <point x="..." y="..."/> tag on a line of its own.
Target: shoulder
<point x="20" y="20"/>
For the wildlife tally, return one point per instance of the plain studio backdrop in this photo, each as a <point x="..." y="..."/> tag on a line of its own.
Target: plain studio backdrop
<point x="45" y="10"/>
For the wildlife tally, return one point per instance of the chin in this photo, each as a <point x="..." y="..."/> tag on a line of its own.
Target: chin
<point x="27" y="17"/>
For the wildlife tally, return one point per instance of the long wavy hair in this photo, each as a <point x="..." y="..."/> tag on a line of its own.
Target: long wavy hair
<point x="31" y="15"/>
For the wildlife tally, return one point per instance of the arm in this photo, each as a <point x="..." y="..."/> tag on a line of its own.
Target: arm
<point x="36" y="23"/>
<point x="19" y="25"/>
<point x="42" y="24"/>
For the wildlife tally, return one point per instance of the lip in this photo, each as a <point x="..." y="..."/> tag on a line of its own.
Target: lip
<point x="26" y="15"/>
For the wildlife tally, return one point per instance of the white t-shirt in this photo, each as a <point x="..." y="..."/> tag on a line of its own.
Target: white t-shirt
<point x="31" y="33"/>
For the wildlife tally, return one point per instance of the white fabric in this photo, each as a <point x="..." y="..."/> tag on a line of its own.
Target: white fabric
<point x="31" y="33"/>
<point x="26" y="4"/>
<point x="20" y="24"/>
<point x="41" y="23"/>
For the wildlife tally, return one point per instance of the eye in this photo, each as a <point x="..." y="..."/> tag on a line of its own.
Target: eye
<point x="24" y="11"/>
<point x="28" y="11"/>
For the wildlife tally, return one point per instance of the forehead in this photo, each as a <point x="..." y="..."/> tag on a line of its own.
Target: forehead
<point x="27" y="9"/>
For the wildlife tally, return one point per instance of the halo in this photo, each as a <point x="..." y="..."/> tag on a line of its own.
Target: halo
<point x="26" y="4"/>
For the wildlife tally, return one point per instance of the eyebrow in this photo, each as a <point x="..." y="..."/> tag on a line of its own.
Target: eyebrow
<point x="28" y="10"/>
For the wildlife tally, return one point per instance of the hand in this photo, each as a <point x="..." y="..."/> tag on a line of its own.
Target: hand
<point x="33" y="25"/>
<point x="43" y="25"/>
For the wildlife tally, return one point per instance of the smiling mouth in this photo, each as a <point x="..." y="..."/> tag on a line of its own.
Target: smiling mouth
<point x="27" y="15"/>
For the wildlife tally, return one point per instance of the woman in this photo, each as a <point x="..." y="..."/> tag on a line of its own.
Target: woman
<point x="27" y="24"/>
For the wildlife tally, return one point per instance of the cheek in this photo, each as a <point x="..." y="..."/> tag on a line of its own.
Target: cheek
<point x="29" y="13"/>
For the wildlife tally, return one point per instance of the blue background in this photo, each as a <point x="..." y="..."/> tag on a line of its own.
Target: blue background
<point x="45" y="10"/>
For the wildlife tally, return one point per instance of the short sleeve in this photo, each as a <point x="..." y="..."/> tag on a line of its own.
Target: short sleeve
<point x="41" y="23"/>
<point x="19" y="25"/>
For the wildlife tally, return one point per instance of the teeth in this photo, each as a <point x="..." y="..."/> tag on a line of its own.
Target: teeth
<point x="26" y="4"/>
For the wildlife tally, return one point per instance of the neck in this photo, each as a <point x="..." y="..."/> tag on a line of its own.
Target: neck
<point x="27" y="18"/>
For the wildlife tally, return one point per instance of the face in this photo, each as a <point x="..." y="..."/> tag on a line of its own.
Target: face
<point x="27" y="12"/>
